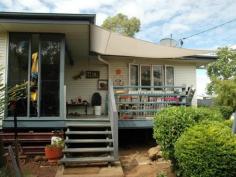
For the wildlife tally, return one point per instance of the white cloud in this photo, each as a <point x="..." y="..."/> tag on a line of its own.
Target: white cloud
<point x="233" y="46"/>
<point x="100" y="17"/>
<point x="159" y="18"/>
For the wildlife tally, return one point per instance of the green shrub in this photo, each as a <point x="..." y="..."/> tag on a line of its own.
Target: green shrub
<point x="162" y="174"/>
<point x="206" y="150"/>
<point x="228" y="123"/>
<point x="226" y="111"/>
<point x="171" y="122"/>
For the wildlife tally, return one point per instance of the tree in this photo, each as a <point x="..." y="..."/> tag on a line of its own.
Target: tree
<point x="222" y="74"/>
<point x="226" y="92"/>
<point x="224" y="68"/>
<point x="122" y="24"/>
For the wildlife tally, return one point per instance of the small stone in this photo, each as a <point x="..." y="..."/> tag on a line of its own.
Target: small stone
<point x="154" y="153"/>
<point x="38" y="158"/>
<point x="44" y="158"/>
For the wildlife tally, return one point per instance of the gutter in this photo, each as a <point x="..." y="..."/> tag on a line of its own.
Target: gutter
<point x="106" y="63"/>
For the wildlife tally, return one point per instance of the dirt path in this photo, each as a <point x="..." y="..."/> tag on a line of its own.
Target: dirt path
<point x="135" y="163"/>
<point x="31" y="168"/>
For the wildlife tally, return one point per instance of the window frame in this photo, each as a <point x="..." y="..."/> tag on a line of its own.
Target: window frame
<point x="163" y="73"/>
<point x="166" y="74"/>
<point x="152" y="74"/>
<point x="140" y="75"/>
<point x="130" y="65"/>
<point x="61" y="37"/>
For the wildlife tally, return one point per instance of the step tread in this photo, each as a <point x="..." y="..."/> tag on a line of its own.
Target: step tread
<point x="88" y="119"/>
<point x="28" y="147"/>
<point x="91" y="124"/>
<point x="87" y="132"/>
<point x="87" y="159"/>
<point x="89" y="141"/>
<point x="109" y="149"/>
<point x="38" y="140"/>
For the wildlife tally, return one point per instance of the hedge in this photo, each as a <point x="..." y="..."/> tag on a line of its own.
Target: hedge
<point x="206" y="150"/>
<point x="226" y="111"/>
<point x="171" y="122"/>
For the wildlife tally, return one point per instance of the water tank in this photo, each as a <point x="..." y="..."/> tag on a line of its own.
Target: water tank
<point x="169" y="42"/>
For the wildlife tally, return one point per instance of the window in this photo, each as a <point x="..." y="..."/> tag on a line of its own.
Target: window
<point x="151" y="75"/>
<point x="50" y="69"/>
<point x="158" y="76"/>
<point x="134" y="75"/>
<point x="170" y="75"/>
<point x="18" y="69"/>
<point x="145" y="76"/>
<point x="34" y="60"/>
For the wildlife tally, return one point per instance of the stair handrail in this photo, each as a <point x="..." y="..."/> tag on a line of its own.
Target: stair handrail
<point x="113" y="115"/>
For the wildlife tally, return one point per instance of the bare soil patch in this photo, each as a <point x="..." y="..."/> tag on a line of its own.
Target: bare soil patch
<point x="135" y="163"/>
<point x="40" y="168"/>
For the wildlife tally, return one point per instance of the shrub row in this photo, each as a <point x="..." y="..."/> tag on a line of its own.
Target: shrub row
<point x="226" y="111"/>
<point x="199" y="141"/>
<point x="206" y="150"/>
<point x="171" y="122"/>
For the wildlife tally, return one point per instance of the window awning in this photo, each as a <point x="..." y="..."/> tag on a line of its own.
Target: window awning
<point x="105" y="42"/>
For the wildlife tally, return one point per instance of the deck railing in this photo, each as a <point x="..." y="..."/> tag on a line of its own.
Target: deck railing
<point x="143" y="102"/>
<point x="113" y="115"/>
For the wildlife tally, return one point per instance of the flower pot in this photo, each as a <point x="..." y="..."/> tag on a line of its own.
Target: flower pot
<point x="53" y="153"/>
<point x="98" y="110"/>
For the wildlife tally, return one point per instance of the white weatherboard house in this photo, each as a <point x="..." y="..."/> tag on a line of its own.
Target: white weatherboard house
<point x="63" y="59"/>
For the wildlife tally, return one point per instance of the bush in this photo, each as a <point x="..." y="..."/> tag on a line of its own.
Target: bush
<point x="171" y="122"/>
<point x="228" y="123"/>
<point x="226" y="111"/>
<point x="207" y="150"/>
<point x="226" y="92"/>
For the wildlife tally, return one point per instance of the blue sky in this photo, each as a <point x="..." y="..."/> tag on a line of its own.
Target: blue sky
<point x="159" y="18"/>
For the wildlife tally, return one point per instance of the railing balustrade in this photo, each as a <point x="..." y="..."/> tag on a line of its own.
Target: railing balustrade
<point x="143" y="102"/>
<point x="113" y="115"/>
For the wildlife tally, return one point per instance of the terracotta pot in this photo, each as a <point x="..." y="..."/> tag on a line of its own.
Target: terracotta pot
<point x="53" y="153"/>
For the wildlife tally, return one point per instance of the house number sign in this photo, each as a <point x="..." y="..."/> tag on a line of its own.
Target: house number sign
<point x="92" y="74"/>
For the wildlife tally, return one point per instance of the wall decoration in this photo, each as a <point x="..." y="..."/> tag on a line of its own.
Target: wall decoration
<point x="92" y="74"/>
<point x="78" y="76"/>
<point x="118" y="82"/>
<point x="102" y="84"/>
<point x="118" y="71"/>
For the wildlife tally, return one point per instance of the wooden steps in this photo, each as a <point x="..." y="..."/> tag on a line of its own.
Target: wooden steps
<point x="84" y="119"/>
<point x="90" y="124"/>
<point x="88" y="141"/>
<point x="87" y="159"/>
<point x="73" y="150"/>
<point x="88" y="132"/>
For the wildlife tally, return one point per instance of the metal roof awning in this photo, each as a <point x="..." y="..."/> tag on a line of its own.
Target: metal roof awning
<point x="105" y="42"/>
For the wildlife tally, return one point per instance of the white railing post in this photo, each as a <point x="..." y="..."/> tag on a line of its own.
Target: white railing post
<point x="113" y="115"/>
<point x="234" y="123"/>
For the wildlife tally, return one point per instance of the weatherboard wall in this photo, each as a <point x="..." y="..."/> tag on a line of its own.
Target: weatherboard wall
<point x="184" y="71"/>
<point x="84" y="87"/>
<point x="3" y="56"/>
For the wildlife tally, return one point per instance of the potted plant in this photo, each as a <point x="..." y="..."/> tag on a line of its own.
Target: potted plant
<point x="54" y="151"/>
<point x="96" y="103"/>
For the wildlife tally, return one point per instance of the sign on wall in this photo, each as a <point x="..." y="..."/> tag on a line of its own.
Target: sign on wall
<point x="92" y="74"/>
